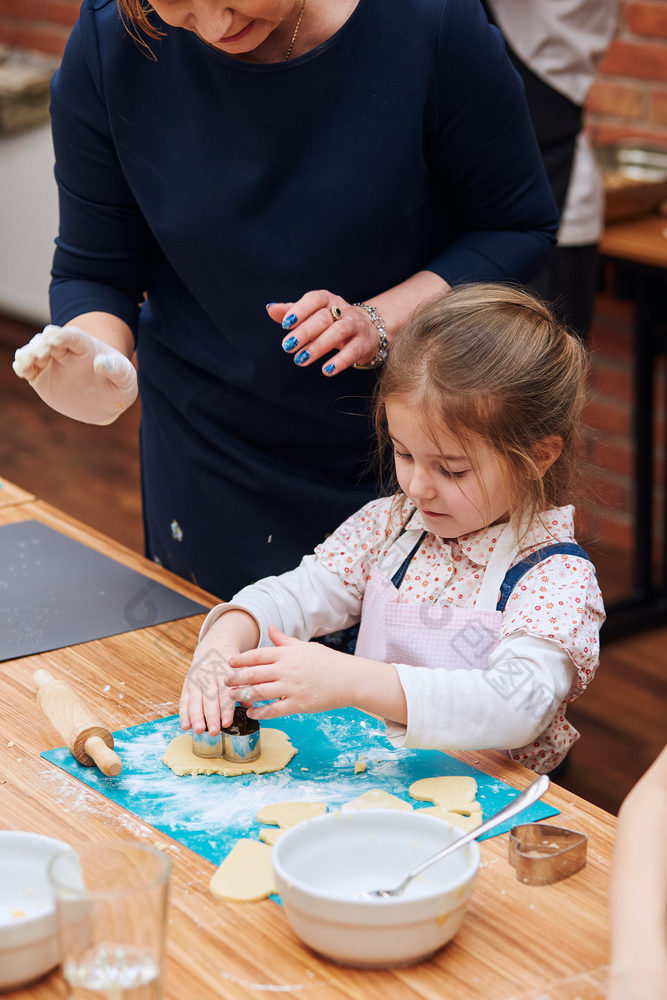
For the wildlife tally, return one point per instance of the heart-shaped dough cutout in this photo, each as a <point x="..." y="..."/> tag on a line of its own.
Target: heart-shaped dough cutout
<point x="283" y="815"/>
<point x="245" y="874"/>
<point x="463" y="821"/>
<point x="453" y="792"/>
<point x="376" y="798"/>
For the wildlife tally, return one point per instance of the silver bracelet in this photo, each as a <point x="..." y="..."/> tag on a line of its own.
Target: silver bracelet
<point x="378" y="323"/>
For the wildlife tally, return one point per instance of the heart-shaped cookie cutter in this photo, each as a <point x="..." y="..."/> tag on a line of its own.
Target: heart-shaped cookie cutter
<point x="543" y="854"/>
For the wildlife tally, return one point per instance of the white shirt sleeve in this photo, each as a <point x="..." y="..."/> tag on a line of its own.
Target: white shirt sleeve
<point x="562" y="41"/>
<point x="509" y="705"/>
<point x="308" y="601"/>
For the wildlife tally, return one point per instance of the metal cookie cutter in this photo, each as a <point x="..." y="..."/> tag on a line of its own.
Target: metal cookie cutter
<point x="544" y="854"/>
<point x="240" y="742"/>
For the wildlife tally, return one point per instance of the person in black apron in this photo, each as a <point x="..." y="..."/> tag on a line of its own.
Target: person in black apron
<point x="258" y="209"/>
<point x="568" y="281"/>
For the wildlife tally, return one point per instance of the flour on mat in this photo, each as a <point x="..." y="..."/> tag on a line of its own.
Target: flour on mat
<point x="74" y="797"/>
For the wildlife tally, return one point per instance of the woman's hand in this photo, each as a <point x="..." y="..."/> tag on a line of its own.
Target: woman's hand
<point x="301" y="676"/>
<point x="77" y="374"/>
<point x="312" y="333"/>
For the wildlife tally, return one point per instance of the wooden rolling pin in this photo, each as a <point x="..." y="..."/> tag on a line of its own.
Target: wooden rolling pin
<point x="90" y="742"/>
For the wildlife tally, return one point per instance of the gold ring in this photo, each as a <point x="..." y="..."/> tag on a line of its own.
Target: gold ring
<point x="335" y="313"/>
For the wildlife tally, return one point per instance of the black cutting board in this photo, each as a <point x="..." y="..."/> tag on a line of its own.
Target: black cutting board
<point x="56" y="592"/>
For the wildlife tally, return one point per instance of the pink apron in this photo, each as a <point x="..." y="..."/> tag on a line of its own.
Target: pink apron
<point x="440" y="637"/>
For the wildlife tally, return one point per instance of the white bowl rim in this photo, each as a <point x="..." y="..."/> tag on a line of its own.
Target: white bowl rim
<point x="41" y="925"/>
<point x="335" y="816"/>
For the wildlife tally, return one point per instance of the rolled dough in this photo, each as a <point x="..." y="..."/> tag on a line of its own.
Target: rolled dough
<point x="269" y="834"/>
<point x="285" y="815"/>
<point x="246" y="874"/>
<point x="376" y="798"/>
<point x="463" y="821"/>
<point x="454" y="792"/>
<point x="277" y="752"/>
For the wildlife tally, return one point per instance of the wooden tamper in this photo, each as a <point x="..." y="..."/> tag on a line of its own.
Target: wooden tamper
<point x="90" y="742"/>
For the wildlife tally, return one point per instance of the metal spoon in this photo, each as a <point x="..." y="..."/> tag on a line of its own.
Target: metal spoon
<point x="535" y="791"/>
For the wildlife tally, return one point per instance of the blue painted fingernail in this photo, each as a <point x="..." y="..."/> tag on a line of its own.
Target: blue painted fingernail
<point x="329" y="369"/>
<point x="269" y="304"/>
<point x="301" y="358"/>
<point x="290" y="344"/>
<point x="289" y="321"/>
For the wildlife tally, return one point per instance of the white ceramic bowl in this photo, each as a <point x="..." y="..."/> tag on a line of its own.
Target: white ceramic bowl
<point x="322" y="865"/>
<point x="28" y="934"/>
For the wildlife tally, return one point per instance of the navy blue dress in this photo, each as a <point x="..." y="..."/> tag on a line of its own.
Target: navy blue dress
<point x="204" y="187"/>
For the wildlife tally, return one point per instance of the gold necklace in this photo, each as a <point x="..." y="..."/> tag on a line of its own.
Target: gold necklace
<point x="296" y="31"/>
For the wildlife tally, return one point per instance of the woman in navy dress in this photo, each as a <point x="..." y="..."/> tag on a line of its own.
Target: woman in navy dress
<point x="254" y="198"/>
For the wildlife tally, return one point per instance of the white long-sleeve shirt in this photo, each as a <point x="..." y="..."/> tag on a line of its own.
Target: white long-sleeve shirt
<point x="562" y="42"/>
<point x="547" y="653"/>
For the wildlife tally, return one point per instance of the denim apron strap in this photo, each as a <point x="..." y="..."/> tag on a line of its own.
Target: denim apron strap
<point x="399" y="575"/>
<point x="514" y="574"/>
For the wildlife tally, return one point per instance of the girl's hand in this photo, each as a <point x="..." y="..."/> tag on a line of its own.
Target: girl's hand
<point x="311" y="333"/>
<point x="303" y="676"/>
<point x="77" y="374"/>
<point x="206" y="702"/>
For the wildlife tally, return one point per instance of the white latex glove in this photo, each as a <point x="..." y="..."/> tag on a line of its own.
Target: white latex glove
<point x="77" y="375"/>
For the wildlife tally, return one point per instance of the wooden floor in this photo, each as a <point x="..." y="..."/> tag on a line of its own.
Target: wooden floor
<point x="93" y="474"/>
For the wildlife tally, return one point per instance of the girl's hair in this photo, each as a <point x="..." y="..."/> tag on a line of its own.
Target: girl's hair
<point x="135" y="15"/>
<point x="491" y="362"/>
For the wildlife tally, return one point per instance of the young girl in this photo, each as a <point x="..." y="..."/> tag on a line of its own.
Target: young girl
<point x="479" y="614"/>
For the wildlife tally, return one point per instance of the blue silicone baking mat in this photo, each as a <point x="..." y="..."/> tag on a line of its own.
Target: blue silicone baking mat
<point x="210" y="813"/>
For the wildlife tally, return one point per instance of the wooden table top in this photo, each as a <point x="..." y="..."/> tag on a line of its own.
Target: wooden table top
<point x="11" y="494"/>
<point x="517" y="942"/>
<point x="643" y="240"/>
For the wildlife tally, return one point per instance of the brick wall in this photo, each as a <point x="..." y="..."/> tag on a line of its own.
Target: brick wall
<point x="629" y="96"/>
<point x="39" y="25"/>
<point x="608" y="468"/>
<point x="627" y="100"/>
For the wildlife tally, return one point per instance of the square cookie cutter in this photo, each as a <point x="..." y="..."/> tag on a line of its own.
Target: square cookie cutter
<point x="240" y="742"/>
<point x="542" y="854"/>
